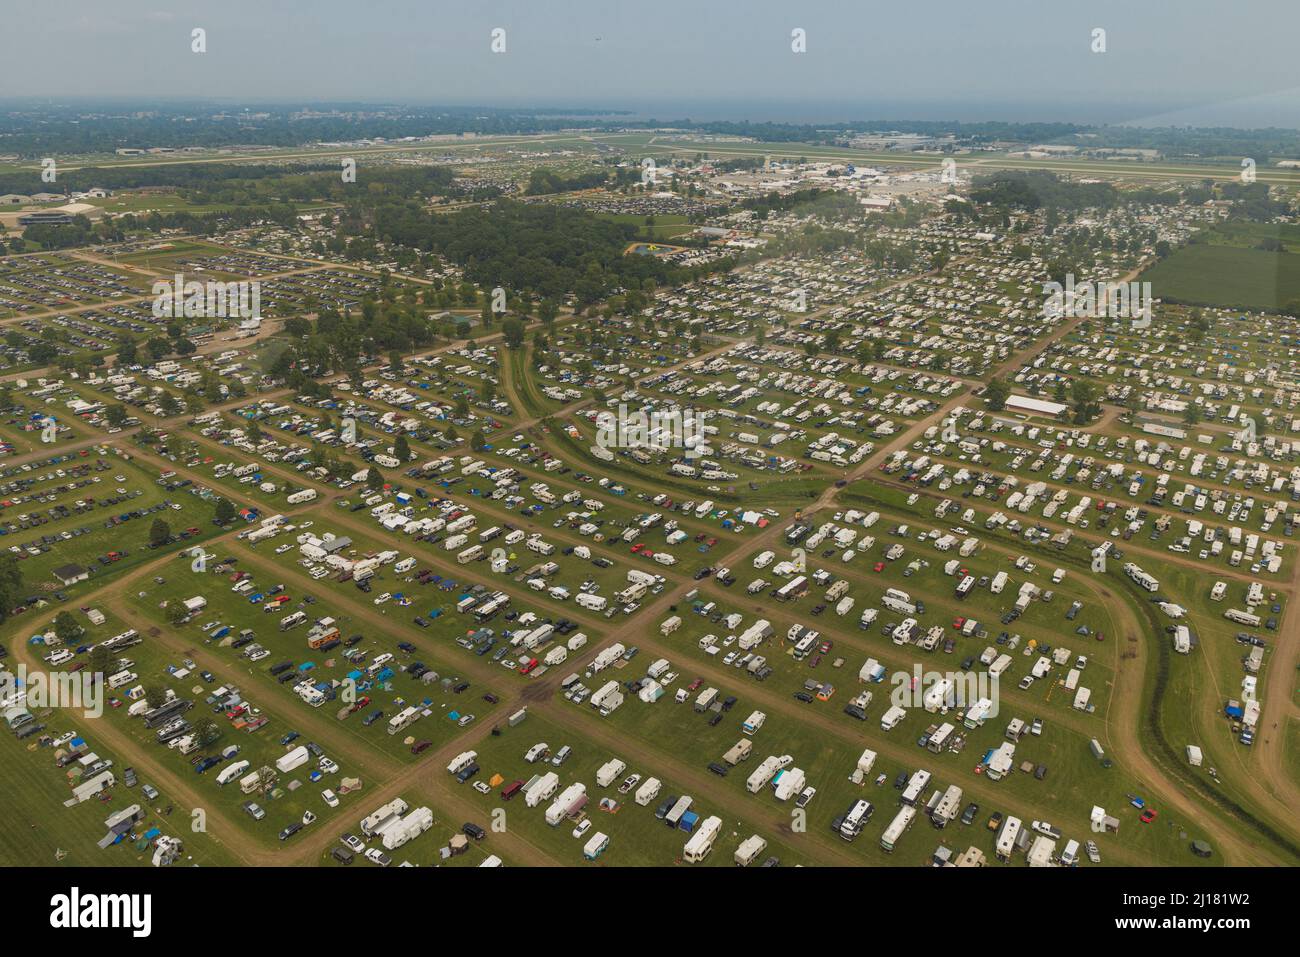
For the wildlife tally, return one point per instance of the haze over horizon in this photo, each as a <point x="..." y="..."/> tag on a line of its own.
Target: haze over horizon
<point x="1008" y="60"/>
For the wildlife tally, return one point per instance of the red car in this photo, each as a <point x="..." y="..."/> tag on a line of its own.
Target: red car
<point x="879" y="567"/>
<point x="1148" y="816"/>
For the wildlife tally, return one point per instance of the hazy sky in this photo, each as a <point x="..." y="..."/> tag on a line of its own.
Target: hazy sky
<point x="1218" y="62"/>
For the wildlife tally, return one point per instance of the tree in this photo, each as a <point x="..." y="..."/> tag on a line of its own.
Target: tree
<point x="11" y="584"/>
<point x="478" y="441"/>
<point x="225" y="512"/>
<point x="1084" y="394"/>
<point x="116" y="415"/>
<point x="160" y="533"/>
<point x="402" y="448"/>
<point x="126" y="351"/>
<point x="66" y="628"/>
<point x="101" y="659"/>
<point x="155" y="696"/>
<point x="374" y="478"/>
<point x="513" y="331"/>
<point x="996" y="394"/>
<point x="206" y="731"/>
<point x="158" y="348"/>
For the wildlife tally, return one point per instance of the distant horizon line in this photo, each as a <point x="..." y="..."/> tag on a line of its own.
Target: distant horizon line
<point x="777" y="112"/>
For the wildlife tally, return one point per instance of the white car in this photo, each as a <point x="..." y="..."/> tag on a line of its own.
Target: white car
<point x="354" y="843"/>
<point x="482" y="787"/>
<point x="64" y="738"/>
<point x="330" y="798"/>
<point x="328" y="766"/>
<point x="582" y="828"/>
<point x="283" y="548"/>
<point x="375" y="856"/>
<point x="308" y="817"/>
<point x="383" y="598"/>
<point x="465" y="719"/>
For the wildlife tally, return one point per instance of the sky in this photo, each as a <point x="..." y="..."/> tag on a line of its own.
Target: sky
<point x="1201" y="62"/>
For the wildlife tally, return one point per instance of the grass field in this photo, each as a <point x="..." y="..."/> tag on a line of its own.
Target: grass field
<point x="36" y="826"/>
<point x="1230" y="276"/>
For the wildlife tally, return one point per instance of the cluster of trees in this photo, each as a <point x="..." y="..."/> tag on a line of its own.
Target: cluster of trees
<point x="996" y="394"/>
<point x="12" y="590"/>
<point x="80" y="232"/>
<point x="1037" y="189"/>
<point x="1251" y="201"/>
<point x="70" y="235"/>
<point x="347" y="341"/>
<point x="72" y="129"/>
<point x="1199" y="143"/>
<point x="542" y="250"/>
<point x="544" y="180"/>
<point x="180" y="176"/>
<point x="248" y="194"/>
<point x="765" y="205"/>
<point x="1082" y="397"/>
<point x="321" y="183"/>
